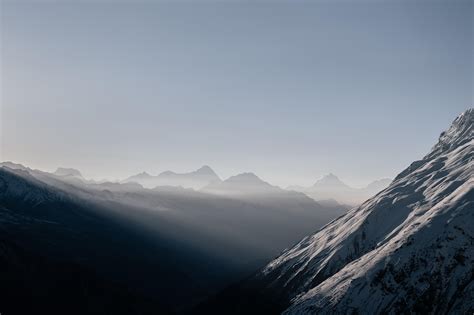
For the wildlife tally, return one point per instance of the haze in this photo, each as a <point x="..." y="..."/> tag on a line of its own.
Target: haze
<point x="290" y="92"/>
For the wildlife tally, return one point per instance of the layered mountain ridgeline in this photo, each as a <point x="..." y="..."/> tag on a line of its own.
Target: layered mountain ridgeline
<point x="196" y="179"/>
<point x="88" y="244"/>
<point x="329" y="190"/>
<point x="409" y="249"/>
<point x="330" y="187"/>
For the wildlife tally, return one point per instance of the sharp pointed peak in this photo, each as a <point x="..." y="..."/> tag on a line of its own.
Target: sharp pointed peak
<point x="329" y="180"/>
<point x="205" y="169"/>
<point x="330" y="177"/>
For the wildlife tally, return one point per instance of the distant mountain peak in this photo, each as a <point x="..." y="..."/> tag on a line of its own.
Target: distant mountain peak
<point x="195" y="179"/>
<point x="245" y="177"/>
<point x="331" y="187"/>
<point x="62" y="171"/>
<point x="167" y="173"/>
<point x="329" y="180"/>
<point x="330" y="177"/>
<point x="143" y="175"/>
<point x="206" y="170"/>
<point x="244" y="183"/>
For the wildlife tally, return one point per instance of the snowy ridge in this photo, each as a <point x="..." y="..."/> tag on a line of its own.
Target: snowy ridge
<point x="410" y="245"/>
<point x="461" y="131"/>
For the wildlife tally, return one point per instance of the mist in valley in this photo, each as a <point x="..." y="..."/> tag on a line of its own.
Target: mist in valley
<point x="236" y="157"/>
<point x="186" y="244"/>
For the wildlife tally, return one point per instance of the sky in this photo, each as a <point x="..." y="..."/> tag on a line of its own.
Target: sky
<point x="288" y="90"/>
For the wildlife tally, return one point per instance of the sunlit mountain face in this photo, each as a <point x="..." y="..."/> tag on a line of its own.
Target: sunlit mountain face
<point x="408" y="249"/>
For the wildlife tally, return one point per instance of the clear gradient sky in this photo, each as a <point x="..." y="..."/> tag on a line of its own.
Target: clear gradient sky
<point x="288" y="90"/>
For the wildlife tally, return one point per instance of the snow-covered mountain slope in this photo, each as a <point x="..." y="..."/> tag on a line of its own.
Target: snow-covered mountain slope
<point x="410" y="248"/>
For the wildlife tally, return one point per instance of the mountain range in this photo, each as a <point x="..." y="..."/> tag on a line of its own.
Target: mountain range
<point x="329" y="190"/>
<point x="196" y="179"/>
